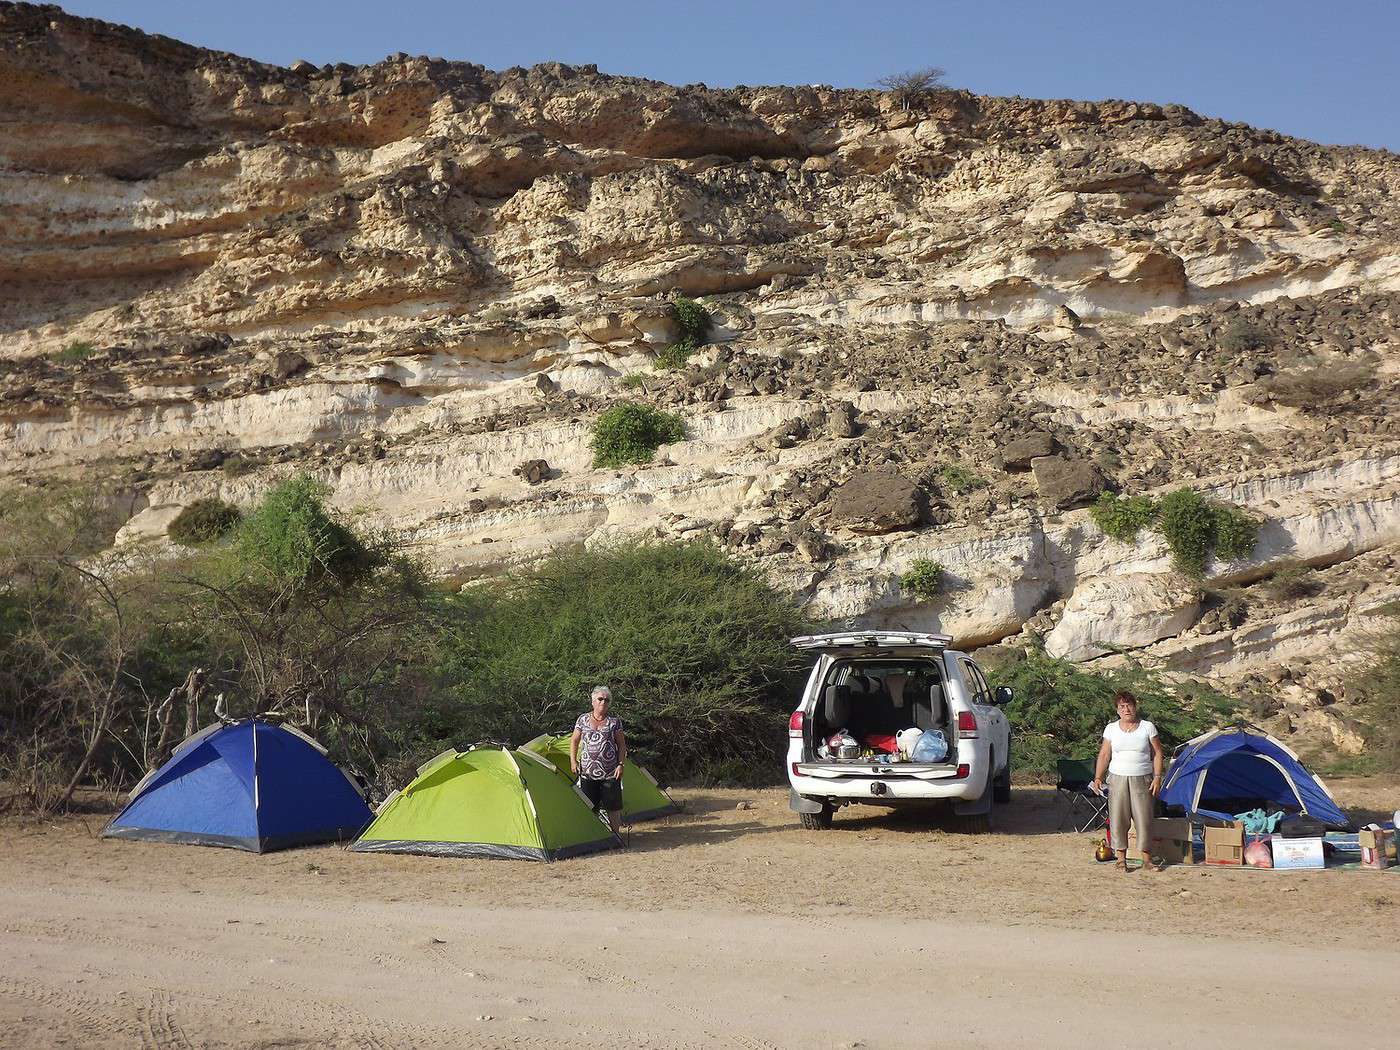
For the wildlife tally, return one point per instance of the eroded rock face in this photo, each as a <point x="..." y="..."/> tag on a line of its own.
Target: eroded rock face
<point x="421" y="281"/>
<point x="1117" y="612"/>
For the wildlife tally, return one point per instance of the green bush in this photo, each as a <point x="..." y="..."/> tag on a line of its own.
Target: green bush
<point x="75" y="352"/>
<point x="694" y="646"/>
<point x="1187" y="523"/>
<point x="634" y="381"/>
<point x="203" y="521"/>
<point x="959" y="479"/>
<point x="1123" y="517"/>
<point x="924" y="580"/>
<point x="674" y="357"/>
<point x="1060" y="709"/>
<point x="1236" y="532"/>
<point x="1194" y="527"/>
<point x="693" y="331"/>
<point x="1377" y="690"/>
<point x="631" y="433"/>
<point x="692" y="320"/>
<point x="293" y="540"/>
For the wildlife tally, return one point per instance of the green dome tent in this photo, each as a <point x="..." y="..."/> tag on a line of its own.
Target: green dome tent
<point x="642" y="797"/>
<point x="487" y="802"/>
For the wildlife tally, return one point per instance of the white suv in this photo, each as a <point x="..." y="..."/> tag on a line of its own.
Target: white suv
<point x="873" y="685"/>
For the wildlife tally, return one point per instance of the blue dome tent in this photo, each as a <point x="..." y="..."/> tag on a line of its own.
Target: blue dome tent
<point x="247" y="785"/>
<point x="1229" y="771"/>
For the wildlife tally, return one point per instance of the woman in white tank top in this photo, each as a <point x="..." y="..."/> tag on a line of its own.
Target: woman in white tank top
<point x="1131" y="756"/>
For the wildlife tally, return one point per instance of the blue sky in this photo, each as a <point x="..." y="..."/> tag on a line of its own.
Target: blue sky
<point x="1327" y="72"/>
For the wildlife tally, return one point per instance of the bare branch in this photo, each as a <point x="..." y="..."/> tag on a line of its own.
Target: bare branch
<point x="915" y="86"/>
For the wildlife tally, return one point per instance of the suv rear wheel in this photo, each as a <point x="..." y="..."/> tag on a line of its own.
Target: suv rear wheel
<point x="818" y="821"/>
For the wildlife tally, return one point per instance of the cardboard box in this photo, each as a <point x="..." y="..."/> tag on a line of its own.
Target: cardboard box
<point x="1225" y="846"/>
<point x="1373" y="847"/>
<point x="1298" y="853"/>
<point x="1170" y="839"/>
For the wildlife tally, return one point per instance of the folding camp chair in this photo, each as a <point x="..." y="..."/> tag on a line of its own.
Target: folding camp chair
<point x="1085" y="809"/>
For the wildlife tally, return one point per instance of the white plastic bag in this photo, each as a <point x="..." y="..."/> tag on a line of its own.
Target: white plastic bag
<point x="905" y="740"/>
<point x="931" y="747"/>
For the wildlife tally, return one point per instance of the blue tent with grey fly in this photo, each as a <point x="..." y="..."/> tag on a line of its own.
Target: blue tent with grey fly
<point x="1230" y="771"/>
<point x="250" y="784"/>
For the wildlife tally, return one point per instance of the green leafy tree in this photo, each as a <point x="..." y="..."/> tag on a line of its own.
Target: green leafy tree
<point x="323" y="619"/>
<point x="1059" y="708"/>
<point x="694" y="646"/>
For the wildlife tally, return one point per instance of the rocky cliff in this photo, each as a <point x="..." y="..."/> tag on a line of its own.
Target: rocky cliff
<point x="939" y="331"/>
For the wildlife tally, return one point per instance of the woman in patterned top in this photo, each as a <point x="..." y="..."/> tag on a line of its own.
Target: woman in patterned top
<point x="596" y="753"/>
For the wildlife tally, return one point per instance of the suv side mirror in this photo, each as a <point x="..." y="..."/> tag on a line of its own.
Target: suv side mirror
<point x="1002" y="694"/>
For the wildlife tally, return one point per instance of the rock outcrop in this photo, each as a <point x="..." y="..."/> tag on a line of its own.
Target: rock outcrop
<point x="937" y="332"/>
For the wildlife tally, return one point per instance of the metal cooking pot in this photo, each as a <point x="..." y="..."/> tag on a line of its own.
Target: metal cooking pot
<point x="847" y="751"/>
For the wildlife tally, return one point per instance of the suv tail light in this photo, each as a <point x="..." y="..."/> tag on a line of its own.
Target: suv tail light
<point x="795" y="724"/>
<point x="967" y="725"/>
<point x="963" y="771"/>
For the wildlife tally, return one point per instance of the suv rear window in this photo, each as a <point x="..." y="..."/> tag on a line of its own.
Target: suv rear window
<point x="881" y="697"/>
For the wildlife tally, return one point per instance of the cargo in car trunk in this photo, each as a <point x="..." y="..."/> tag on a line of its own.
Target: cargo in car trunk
<point x="873" y="701"/>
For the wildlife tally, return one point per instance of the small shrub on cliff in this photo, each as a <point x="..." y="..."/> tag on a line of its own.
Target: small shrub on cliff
<point x="294" y="541"/>
<point x="692" y="319"/>
<point x="1236" y="532"/>
<point x="959" y="479"/>
<point x="924" y="580"/>
<point x="1194" y="527"/>
<point x="236" y="466"/>
<point x="1123" y="517"/>
<point x="631" y="433"/>
<point x="1291" y="581"/>
<point x="75" y="352"/>
<point x="693" y="331"/>
<point x="1187" y="523"/>
<point x="203" y="521"/>
<point x="1375" y="690"/>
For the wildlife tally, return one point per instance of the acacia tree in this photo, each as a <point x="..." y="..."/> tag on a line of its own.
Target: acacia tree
<point x="916" y="86"/>
<point x="325" y="622"/>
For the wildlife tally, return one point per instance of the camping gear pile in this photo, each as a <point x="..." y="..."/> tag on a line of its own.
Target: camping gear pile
<point x="908" y="745"/>
<point x="1240" y="798"/>
<point x="259" y="785"/>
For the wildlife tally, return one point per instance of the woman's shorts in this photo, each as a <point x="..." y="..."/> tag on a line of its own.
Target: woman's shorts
<point x="602" y="794"/>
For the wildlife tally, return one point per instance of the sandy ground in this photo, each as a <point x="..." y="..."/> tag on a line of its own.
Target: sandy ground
<point x="723" y="926"/>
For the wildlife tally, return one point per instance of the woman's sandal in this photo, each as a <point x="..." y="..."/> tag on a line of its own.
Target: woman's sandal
<point x="1121" y="865"/>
